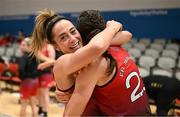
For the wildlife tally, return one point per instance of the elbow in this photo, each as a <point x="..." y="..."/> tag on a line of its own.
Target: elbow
<point x="99" y="49"/>
<point x="96" y="49"/>
<point x="128" y="34"/>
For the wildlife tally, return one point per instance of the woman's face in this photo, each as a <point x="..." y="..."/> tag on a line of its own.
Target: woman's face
<point x="66" y="36"/>
<point x="24" y="46"/>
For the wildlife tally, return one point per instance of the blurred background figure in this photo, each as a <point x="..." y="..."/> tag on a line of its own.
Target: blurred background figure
<point x="20" y="36"/>
<point x="45" y="80"/>
<point x="2" y="67"/>
<point x="29" y="74"/>
<point x="164" y="91"/>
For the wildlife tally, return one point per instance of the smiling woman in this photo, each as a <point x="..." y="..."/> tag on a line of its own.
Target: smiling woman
<point x="63" y="35"/>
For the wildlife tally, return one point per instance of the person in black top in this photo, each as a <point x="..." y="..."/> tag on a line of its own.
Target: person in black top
<point x="163" y="90"/>
<point x="28" y="74"/>
<point x="45" y="79"/>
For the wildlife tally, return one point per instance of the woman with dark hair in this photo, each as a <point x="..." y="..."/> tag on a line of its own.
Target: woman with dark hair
<point x="112" y="80"/>
<point x="62" y="34"/>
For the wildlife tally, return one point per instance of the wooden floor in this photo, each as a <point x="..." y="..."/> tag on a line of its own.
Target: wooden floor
<point x="10" y="107"/>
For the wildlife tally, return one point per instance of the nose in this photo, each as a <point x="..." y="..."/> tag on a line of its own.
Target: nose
<point x="72" y="38"/>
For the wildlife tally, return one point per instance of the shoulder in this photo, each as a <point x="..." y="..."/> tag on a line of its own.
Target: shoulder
<point x="100" y="65"/>
<point x="60" y="64"/>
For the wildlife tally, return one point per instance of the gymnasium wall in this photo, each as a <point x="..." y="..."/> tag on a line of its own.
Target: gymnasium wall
<point x="144" y="18"/>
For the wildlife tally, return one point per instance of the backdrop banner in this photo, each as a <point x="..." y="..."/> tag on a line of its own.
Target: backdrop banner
<point x="145" y="23"/>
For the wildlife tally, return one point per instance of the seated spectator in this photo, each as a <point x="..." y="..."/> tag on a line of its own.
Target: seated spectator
<point x="164" y="91"/>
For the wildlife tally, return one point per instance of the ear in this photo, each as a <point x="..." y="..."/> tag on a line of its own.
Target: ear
<point x="56" y="47"/>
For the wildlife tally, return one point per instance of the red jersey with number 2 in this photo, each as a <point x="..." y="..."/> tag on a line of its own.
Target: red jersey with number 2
<point x="125" y="93"/>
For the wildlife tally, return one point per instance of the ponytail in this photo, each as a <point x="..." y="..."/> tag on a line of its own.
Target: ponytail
<point x="39" y="32"/>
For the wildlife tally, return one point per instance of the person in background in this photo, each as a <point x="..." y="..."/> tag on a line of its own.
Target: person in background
<point x="20" y="36"/>
<point x="2" y="68"/>
<point x="45" y="80"/>
<point x="164" y="91"/>
<point x="28" y="73"/>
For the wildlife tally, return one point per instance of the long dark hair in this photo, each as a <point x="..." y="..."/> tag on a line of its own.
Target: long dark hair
<point x="90" y="23"/>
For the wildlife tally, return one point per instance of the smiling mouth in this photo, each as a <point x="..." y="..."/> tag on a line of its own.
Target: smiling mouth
<point x="75" y="46"/>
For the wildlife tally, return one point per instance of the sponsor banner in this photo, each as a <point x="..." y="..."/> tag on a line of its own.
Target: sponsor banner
<point x="149" y="23"/>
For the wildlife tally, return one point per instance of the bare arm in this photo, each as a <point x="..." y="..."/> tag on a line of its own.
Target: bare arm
<point x="84" y="86"/>
<point x="42" y="57"/>
<point x="121" y="37"/>
<point x="70" y="63"/>
<point x="63" y="97"/>
<point x="49" y="61"/>
<point x="51" y="52"/>
<point x="46" y="64"/>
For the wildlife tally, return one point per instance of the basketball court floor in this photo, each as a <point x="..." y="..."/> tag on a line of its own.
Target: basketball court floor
<point x="10" y="106"/>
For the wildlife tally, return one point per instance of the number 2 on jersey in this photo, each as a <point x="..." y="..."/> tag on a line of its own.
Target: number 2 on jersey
<point x="134" y="96"/>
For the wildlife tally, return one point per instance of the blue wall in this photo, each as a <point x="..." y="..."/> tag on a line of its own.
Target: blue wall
<point x="152" y="23"/>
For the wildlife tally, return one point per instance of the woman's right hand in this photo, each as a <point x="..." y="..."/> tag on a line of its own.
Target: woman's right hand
<point x="116" y="26"/>
<point x="62" y="97"/>
<point x="46" y="64"/>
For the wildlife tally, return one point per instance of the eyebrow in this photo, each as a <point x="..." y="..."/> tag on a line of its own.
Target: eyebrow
<point x="62" y="34"/>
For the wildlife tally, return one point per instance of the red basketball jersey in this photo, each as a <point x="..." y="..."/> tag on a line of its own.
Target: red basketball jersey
<point x="45" y="50"/>
<point x="125" y="94"/>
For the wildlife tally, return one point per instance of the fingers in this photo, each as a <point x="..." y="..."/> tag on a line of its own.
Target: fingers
<point x="64" y="101"/>
<point x="117" y="26"/>
<point x="39" y="67"/>
<point x="62" y="97"/>
<point x="42" y="66"/>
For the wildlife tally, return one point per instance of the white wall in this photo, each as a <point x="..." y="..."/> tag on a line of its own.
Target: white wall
<point x="21" y="7"/>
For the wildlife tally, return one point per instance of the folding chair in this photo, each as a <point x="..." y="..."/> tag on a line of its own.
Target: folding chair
<point x="2" y="50"/>
<point x="127" y="46"/>
<point x="172" y="46"/>
<point x="134" y="53"/>
<point x="140" y="46"/>
<point x="170" y="53"/>
<point x="165" y="67"/>
<point x="152" y="52"/>
<point x="145" y="41"/>
<point x="157" y="47"/>
<point x="146" y="63"/>
<point x="9" y="52"/>
<point x="160" y="41"/>
<point x="177" y="72"/>
<point x="10" y="76"/>
<point x="18" y="53"/>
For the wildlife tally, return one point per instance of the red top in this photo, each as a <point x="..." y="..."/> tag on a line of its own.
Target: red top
<point x="125" y="93"/>
<point x="45" y="50"/>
